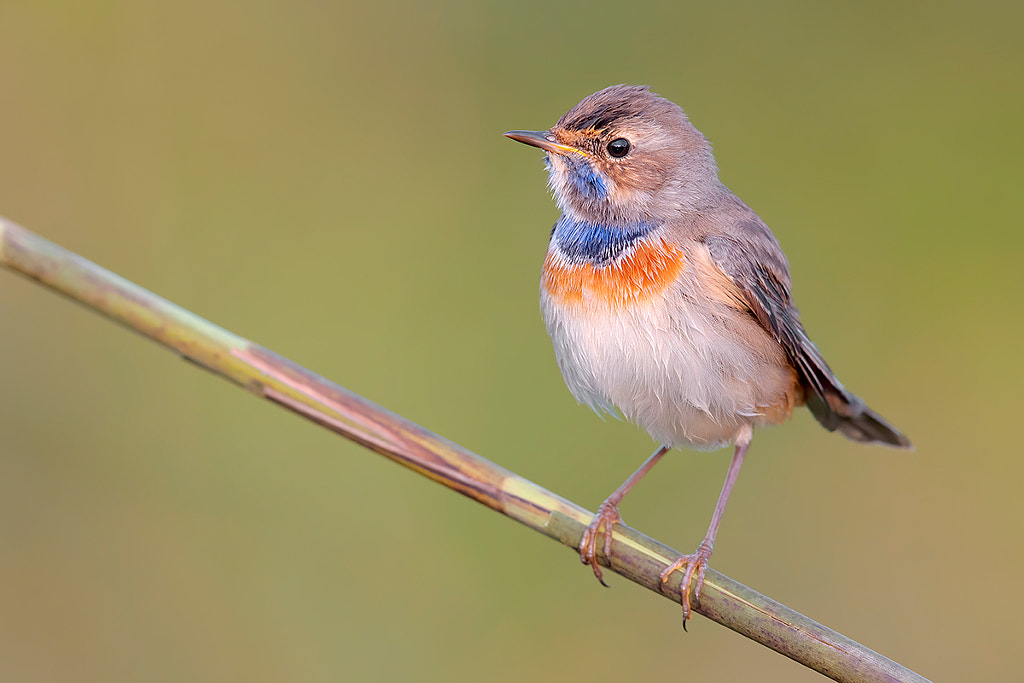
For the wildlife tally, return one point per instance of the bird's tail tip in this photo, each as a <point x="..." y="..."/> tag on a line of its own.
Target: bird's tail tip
<point x="848" y="415"/>
<point x="867" y="426"/>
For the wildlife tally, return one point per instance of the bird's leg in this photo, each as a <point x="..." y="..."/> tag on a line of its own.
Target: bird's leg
<point x="608" y="515"/>
<point x="697" y="562"/>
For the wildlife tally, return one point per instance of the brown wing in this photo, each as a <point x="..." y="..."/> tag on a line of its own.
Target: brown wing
<point x="752" y="259"/>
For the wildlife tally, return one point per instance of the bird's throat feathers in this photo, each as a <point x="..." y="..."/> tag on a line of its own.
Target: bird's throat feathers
<point x="581" y="241"/>
<point x="577" y="176"/>
<point x="596" y="264"/>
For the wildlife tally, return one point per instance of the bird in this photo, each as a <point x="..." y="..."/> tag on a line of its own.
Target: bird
<point x="668" y="302"/>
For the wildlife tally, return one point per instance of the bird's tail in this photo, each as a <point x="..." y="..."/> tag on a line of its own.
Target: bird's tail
<point x="839" y="410"/>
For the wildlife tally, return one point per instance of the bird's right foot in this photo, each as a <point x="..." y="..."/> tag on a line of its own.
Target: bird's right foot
<point x="696" y="565"/>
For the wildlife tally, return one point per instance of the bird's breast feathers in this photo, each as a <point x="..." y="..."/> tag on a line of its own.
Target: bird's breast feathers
<point x="650" y="328"/>
<point x="639" y="272"/>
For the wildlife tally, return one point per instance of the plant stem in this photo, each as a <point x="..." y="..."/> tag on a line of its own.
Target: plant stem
<point x="635" y="556"/>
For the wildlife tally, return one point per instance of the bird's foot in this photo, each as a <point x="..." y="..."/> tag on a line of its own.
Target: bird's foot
<point x="606" y="517"/>
<point x="696" y="565"/>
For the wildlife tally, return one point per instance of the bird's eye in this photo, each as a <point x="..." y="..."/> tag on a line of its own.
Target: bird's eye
<point x="619" y="147"/>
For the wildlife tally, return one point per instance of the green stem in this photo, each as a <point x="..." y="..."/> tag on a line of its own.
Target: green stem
<point x="635" y="556"/>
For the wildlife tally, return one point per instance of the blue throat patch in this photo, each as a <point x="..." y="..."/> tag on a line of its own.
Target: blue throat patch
<point x="580" y="241"/>
<point x="587" y="180"/>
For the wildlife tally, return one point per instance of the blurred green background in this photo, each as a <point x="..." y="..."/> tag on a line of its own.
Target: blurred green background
<point x="329" y="179"/>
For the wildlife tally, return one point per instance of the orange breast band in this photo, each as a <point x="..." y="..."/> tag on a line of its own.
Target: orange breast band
<point x="644" y="272"/>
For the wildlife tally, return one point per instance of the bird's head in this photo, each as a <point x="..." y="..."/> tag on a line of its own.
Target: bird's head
<point x="625" y="155"/>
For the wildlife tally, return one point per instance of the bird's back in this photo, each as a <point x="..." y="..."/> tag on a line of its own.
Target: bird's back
<point x="744" y="250"/>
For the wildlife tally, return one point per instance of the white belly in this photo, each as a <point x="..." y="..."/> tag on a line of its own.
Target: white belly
<point x="682" y="375"/>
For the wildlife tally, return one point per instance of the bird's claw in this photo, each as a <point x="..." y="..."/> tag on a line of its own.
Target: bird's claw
<point x="606" y="517"/>
<point x="696" y="565"/>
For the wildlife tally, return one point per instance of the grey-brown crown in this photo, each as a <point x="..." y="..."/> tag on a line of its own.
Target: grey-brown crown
<point x="617" y="104"/>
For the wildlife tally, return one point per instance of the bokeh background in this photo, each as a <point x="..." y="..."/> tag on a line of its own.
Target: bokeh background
<point x="329" y="179"/>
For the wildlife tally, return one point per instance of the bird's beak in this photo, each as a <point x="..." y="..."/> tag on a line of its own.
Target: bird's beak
<point x="543" y="139"/>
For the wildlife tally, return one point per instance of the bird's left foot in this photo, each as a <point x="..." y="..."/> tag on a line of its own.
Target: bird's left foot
<point x="607" y="516"/>
<point x="696" y="565"/>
